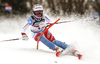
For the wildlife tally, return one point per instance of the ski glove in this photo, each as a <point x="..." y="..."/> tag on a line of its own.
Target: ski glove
<point x="24" y="36"/>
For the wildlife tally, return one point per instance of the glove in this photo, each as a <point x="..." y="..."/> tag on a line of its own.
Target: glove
<point x="24" y="36"/>
<point x="42" y="25"/>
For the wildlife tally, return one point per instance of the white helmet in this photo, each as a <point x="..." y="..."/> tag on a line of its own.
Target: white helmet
<point x="37" y="9"/>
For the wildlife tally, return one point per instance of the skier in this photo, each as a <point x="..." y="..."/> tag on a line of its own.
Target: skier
<point x="38" y="24"/>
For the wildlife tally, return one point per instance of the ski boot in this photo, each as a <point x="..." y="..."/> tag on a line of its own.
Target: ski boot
<point x="58" y="51"/>
<point x="76" y="53"/>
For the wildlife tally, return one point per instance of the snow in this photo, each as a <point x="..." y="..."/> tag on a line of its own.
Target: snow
<point x="83" y="33"/>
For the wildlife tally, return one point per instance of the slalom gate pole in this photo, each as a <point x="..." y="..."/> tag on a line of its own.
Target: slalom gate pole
<point x="45" y="31"/>
<point x="11" y="39"/>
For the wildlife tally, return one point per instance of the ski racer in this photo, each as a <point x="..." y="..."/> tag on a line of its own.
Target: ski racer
<point x="38" y="22"/>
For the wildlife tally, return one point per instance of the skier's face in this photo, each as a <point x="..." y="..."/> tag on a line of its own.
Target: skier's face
<point x="38" y="12"/>
<point x="38" y="15"/>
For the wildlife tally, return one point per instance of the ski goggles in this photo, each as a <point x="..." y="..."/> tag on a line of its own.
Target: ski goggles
<point x="38" y="12"/>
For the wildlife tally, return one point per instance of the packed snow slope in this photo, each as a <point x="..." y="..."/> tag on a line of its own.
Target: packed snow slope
<point x="81" y="32"/>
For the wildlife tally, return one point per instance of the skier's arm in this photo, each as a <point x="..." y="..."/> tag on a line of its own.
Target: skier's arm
<point x="25" y="27"/>
<point x="24" y="36"/>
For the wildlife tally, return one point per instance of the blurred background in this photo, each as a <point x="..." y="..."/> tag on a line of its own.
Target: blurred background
<point x="83" y="31"/>
<point x="56" y="7"/>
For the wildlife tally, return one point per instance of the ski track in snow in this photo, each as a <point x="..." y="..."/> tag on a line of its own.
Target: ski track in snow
<point x="82" y="33"/>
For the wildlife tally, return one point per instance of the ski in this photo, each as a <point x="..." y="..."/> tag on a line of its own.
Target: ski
<point x="45" y="31"/>
<point x="74" y="52"/>
<point x="77" y="54"/>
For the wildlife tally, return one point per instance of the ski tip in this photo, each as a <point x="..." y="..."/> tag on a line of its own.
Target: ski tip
<point x="58" y="54"/>
<point x="60" y="18"/>
<point x="80" y="57"/>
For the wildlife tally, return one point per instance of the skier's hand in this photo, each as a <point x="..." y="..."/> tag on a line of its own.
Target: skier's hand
<point x="24" y="36"/>
<point x="42" y="25"/>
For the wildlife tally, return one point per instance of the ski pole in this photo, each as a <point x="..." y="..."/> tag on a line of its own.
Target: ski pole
<point x="60" y="22"/>
<point x="57" y="23"/>
<point x="11" y="39"/>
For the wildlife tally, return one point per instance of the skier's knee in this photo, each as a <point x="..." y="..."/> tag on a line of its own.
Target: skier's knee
<point x="47" y="42"/>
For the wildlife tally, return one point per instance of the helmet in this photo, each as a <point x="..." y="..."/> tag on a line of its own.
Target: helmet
<point x="37" y="9"/>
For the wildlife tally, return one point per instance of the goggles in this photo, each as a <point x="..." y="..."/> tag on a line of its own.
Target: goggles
<point x="38" y="12"/>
